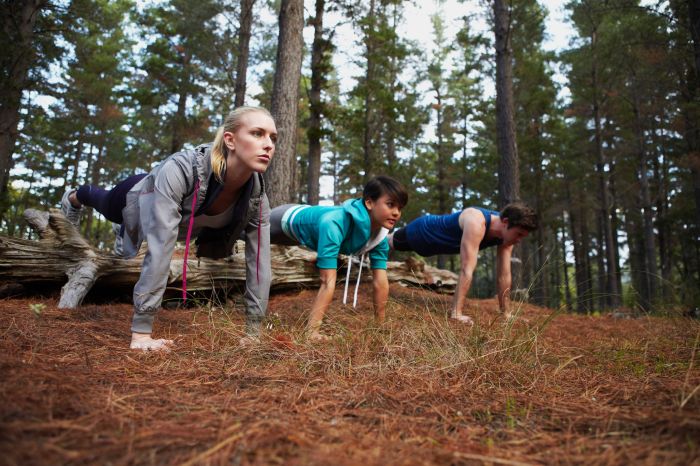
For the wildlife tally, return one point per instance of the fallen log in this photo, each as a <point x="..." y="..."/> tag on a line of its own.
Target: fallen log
<point x="62" y="253"/>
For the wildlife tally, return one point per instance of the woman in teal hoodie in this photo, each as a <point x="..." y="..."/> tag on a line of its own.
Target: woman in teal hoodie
<point x="357" y="227"/>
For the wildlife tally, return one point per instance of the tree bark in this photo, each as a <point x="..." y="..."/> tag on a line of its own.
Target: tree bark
<point x="442" y="160"/>
<point x="367" y="141"/>
<point x="651" y="271"/>
<point x="579" y="236"/>
<point x="285" y="102"/>
<point x="615" y="225"/>
<point x="318" y="79"/>
<point x="694" y="13"/>
<point x="612" y="292"/>
<point x="565" y="265"/>
<point x="634" y="229"/>
<point x="180" y="117"/>
<point x="602" y="276"/>
<point x="244" y="32"/>
<point x="508" y="170"/>
<point x="692" y="125"/>
<point x="18" y="22"/>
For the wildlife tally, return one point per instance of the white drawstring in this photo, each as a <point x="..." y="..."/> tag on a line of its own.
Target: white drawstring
<point x="357" y="285"/>
<point x="347" y="280"/>
<point x="371" y="243"/>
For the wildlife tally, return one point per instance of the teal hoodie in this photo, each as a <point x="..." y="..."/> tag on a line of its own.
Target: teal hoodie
<point x="337" y="230"/>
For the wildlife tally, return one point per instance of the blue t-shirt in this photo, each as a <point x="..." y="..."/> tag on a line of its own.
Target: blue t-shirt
<point x="441" y="234"/>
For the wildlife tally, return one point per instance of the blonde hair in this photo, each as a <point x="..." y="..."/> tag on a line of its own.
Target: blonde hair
<point x="231" y="124"/>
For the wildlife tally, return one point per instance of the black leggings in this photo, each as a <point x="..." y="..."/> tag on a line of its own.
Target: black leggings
<point x="108" y="203"/>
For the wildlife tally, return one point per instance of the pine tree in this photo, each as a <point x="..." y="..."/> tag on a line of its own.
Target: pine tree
<point x="285" y="102"/>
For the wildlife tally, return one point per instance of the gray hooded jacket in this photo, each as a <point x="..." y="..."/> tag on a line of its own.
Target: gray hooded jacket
<point x="158" y="210"/>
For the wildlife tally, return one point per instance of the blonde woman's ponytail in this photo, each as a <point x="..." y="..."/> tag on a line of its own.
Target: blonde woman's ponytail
<point x="218" y="155"/>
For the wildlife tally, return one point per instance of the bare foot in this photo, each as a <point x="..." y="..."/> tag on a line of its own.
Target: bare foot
<point x="144" y="342"/>
<point x="464" y="319"/>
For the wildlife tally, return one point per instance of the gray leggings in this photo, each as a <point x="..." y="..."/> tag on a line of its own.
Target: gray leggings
<point x="277" y="235"/>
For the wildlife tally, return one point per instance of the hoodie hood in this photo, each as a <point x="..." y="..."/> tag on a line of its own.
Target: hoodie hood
<point x="359" y="240"/>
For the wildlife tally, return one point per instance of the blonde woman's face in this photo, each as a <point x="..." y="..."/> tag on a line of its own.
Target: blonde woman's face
<point x="253" y="143"/>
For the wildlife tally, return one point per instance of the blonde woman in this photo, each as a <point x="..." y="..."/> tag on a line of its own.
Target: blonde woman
<point x="214" y="193"/>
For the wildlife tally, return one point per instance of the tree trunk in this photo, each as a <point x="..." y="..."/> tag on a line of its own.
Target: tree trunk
<point x="76" y="161"/>
<point x="565" y="265"/>
<point x="508" y="171"/>
<point x="245" y="27"/>
<point x="18" y="21"/>
<point x="443" y="207"/>
<point x="542" y="280"/>
<point x="367" y="141"/>
<point x="602" y="276"/>
<point x="579" y="236"/>
<point x="391" y="120"/>
<point x="610" y="273"/>
<point x="281" y="175"/>
<point x="94" y="171"/>
<point x="651" y="271"/>
<point x="633" y="227"/>
<point x="180" y="117"/>
<point x="615" y="225"/>
<point x="692" y="133"/>
<point x="318" y="79"/>
<point x="555" y="297"/>
<point x="694" y="11"/>
<point x="659" y="163"/>
<point x="463" y="173"/>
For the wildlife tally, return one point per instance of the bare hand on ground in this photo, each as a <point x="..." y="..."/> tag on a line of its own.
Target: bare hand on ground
<point x="318" y="337"/>
<point x="144" y="342"/>
<point x="464" y="319"/>
<point x="249" y="340"/>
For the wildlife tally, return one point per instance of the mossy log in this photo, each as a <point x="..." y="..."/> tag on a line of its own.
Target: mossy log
<point x="62" y="253"/>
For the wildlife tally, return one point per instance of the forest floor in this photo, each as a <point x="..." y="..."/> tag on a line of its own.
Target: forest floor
<point x="547" y="389"/>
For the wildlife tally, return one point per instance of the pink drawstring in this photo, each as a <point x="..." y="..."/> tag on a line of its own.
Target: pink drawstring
<point x="257" y="257"/>
<point x="187" y="242"/>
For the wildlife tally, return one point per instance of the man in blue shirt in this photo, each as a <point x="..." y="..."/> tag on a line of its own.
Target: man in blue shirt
<point x="466" y="233"/>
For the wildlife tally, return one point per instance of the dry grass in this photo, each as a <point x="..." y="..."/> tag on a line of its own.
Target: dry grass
<point x="420" y="390"/>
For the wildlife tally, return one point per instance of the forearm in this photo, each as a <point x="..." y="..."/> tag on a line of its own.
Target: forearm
<point x="149" y="289"/>
<point x="503" y="286"/>
<point x="460" y="296"/>
<point x="322" y="302"/>
<point x="258" y="271"/>
<point x="381" y="294"/>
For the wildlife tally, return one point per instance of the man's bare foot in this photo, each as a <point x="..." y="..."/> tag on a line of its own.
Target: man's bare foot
<point x="144" y="342"/>
<point x="464" y="319"/>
